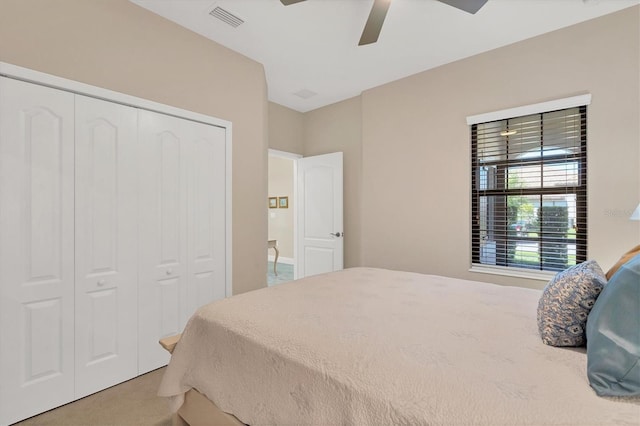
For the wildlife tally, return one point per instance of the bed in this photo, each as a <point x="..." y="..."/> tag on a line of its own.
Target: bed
<point x="373" y="346"/>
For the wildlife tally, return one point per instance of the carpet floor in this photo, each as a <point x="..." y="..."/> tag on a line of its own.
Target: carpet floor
<point x="134" y="402"/>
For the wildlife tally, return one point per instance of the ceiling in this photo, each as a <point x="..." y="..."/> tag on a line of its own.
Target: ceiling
<point x="311" y="48"/>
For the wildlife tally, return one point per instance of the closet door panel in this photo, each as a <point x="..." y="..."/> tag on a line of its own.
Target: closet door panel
<point x="106" y="244"/>
<point x="164" y="150"/>
<point x="36" y="249"/>
<point x="206" y="216"/>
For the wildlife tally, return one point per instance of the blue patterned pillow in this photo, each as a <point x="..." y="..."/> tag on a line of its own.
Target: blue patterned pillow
<point x="566" y="302"/>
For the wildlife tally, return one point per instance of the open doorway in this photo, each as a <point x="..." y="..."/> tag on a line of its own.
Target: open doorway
<point x="304" y="215"/>
<point x="281" y="217"/>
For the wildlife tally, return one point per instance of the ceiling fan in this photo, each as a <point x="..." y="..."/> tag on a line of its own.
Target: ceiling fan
<point x="379" y="11"/>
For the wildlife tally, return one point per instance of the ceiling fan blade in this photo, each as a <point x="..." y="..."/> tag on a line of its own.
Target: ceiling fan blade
<point x="289" y="2"/>
<point x="374" y="23"/>
<point x="470" y="6"/>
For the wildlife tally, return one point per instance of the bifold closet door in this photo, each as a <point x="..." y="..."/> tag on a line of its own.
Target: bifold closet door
<point x="162" y="309"/>
<point x="106" y="244"/>
<point x="206" y="222"/>
<point x="36" y="249"/>
<point x="182" y="226"/>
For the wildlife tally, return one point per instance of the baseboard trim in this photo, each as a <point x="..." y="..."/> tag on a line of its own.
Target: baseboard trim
<point x="285" y="260"/>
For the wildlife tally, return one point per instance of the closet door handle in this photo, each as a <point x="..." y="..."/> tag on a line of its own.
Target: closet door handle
<point x="169" y="271"/>
<point x="101" y="282"/>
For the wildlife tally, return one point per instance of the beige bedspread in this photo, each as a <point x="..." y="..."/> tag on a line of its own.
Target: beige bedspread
<point x="377" y="347"/>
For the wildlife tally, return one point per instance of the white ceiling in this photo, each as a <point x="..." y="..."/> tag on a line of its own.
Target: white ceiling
<point x="313" y="45"/>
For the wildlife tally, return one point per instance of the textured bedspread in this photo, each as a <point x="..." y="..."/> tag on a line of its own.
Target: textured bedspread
<point x="377" y="347"/>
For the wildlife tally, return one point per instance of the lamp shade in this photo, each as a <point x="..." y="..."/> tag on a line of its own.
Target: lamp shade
<point x="636" y="214"/>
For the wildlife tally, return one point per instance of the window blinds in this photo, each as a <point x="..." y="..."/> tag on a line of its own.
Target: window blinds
<point x="529" y="190"/>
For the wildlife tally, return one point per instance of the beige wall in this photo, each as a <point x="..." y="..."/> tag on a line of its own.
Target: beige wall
<point x="416" y="166"/>
<point x="119" y="46"/>
<point x="281" y="220"/>
<point x="286" y="129"/>
<point x="338" y="127"/>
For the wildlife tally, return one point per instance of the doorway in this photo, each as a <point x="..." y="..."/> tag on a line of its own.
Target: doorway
<point x="304" y="215"/>
<point x="281" y="217"/>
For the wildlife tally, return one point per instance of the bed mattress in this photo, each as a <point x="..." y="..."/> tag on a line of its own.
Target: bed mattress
<point x="370" y="347"/>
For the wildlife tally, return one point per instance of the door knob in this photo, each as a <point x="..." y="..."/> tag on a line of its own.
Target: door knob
<point x="169" y="272"/>
<point x="337" y="234"/>
<point x="101" y="282"/>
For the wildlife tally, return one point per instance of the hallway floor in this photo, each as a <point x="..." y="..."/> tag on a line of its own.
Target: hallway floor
<point x="285" y="274"/>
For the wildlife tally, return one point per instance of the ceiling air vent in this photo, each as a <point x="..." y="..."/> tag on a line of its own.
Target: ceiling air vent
<point x="305" y="93"/>
<point x="226" y="16"/>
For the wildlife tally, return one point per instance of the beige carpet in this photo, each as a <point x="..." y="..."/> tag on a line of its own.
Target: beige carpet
<point x="130" y="403"/>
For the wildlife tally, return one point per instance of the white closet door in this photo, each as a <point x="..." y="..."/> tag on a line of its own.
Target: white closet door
<point x="106" y="244"/>
<point x="36" y="249"/>
<point x="162" y="308"/>
<point x="206" y="281"/>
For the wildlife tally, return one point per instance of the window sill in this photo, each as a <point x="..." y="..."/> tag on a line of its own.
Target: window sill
<point x="513" y="272"/>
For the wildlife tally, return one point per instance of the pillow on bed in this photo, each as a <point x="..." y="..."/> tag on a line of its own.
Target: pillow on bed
<point x="613" y="333"/>
<point x="566" y="302"/>
<point x="624" y="259"/>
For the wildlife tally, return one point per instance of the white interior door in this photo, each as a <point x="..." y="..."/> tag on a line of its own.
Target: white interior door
<point x="206" y="221"/>
<point x="106" y="244"/>
<point x="320" y="232"/>
<point x="162" y="286"/>
<point x="36" y="249"/>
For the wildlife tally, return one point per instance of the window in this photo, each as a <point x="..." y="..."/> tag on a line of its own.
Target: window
<point x="529" y="190"/>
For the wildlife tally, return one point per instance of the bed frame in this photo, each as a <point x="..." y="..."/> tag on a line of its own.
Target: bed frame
<point x="197" y="409"/>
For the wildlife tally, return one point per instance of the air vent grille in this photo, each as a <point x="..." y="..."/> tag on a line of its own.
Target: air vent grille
<point x="226" y="16"/>
<point x="305" y="93"/>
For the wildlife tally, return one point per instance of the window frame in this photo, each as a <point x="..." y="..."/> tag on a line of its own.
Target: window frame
<point x="580" y="190"/>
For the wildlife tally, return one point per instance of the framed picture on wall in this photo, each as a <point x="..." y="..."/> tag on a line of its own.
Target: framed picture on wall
<point x="283" y="202"/>
<point x="273" y="202"/>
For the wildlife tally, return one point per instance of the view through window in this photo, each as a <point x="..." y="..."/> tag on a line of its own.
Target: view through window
<point x="529" y="190"/>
